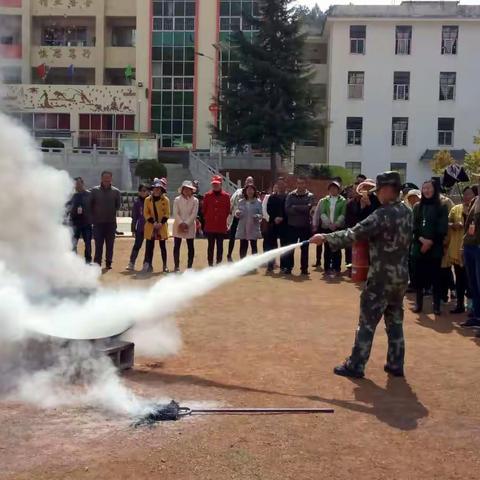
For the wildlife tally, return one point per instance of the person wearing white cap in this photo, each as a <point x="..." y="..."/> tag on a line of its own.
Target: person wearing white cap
<point x="156" y="211"/>
<point x="412" y="197"/>
<point x="185" y="211"/>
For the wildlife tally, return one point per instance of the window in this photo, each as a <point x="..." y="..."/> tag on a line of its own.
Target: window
<point x="355" y="84"/>
<point x="173" y="72"/>
<point x="237" y="14"/>
<point x="102" y="130"/>
<point x="42" y="122"/>
<point x="401" y="168"/>
<point x="65" y="36"/>
<point x="445" y="131"/>
<point x="401" y="85"/>
<point x="11" y="74"/>
<point x="403" y="39"/>
<point x="399" y="131"/>
<point x="354" y="130"/>
<point x="448" y="81"/>
<point x="354" y="167"/>
<point x="123" y="36"/>
<point x="449" y="40"/>
<point x="317" y="140"/>
<point x="358" y="34"/>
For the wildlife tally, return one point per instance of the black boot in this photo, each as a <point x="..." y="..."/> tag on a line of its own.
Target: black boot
<point x="436" y="306"/>
<point x="419" y="302"/>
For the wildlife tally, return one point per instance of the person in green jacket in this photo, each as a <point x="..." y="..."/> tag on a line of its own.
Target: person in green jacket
<point x="430" y="227"/>
<point x="330" y="217"/>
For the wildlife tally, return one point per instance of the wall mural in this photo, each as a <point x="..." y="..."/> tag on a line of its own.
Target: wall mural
<point x="60" y="98"/>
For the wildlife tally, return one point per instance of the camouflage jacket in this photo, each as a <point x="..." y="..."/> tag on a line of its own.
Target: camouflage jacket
<point x="388" y="231"/>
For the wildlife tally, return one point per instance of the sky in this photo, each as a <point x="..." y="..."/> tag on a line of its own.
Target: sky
<point x="324" y="4"/>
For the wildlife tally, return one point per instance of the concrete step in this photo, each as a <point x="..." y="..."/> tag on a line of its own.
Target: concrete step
<point x="176" y="175"/>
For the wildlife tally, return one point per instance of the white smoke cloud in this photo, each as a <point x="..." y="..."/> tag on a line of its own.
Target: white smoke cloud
<point x="37" y="262"/>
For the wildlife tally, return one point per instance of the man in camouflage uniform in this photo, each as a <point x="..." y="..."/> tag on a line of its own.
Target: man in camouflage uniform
<point x="388" y="231"/>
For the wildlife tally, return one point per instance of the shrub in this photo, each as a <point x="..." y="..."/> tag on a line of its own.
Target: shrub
<point x="150" y="169"/>
<point x="52" y="143"/>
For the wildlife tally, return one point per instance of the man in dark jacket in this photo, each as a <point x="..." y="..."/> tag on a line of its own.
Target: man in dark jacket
<point x="81" y="218"/>
<point x="105" y="202"/>
<point x="298" y="206"/>
<point x="277" y="222"/>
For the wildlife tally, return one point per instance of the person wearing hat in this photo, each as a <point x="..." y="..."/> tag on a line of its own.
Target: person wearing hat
<point x="389" y="232"/>
<point x="411" y="198"/>
<point x="185" y="210"/>
<point x="249" y="214"/>
<point x="330" y="217"/>
<point x="216" y="210"/>
<point x="156" y="211"/>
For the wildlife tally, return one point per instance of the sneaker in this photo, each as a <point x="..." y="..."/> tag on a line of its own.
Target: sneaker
<point x="177" y="270"/>
<point x="108" y="266"/>
<point x="395" y="371"/>
<point x="130" y="267"/>
<point x="305" y="273"/>
<point x="229" y="259"/>
<point x="286" y="271"/>
<point x="345" y="371"/>
<point x="147" y="268"/>
<point x="471" y="322"/>
<point x="165" y="270"/>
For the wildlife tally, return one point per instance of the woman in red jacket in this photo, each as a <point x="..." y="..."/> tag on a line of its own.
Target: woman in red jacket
<point x="216" y="209"/>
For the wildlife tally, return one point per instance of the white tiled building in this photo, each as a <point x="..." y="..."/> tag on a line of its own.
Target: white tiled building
<point x="403" y="83"/>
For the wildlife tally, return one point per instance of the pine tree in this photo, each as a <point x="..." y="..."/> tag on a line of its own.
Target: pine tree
<point x="267" y="102"/>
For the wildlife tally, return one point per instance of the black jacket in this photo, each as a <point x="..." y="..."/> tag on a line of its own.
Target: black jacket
<point x="80" y="199"/>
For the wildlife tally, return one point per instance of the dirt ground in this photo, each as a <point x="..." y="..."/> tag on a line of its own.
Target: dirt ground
<point x="269" y="341"/>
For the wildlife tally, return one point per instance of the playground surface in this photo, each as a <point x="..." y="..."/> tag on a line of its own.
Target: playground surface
<point x="267" y="341"/>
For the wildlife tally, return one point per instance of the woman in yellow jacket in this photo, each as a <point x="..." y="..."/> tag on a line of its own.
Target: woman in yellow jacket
<point x="456" y="227"/>
<point x="156" y="211"/>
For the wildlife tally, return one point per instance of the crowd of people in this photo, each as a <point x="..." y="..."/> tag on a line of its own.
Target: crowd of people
<point x="444" y="260"/>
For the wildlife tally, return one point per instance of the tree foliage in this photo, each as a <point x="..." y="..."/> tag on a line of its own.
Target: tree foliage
<point x="313" y="17"/>
<point x="441" y="160"/>
<point x="268" y="101"/>
<point x="150" y="169"/>
<point x="472" y="159"/>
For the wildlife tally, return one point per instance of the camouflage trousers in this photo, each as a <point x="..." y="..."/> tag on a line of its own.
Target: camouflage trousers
<point x="377" y="301"/>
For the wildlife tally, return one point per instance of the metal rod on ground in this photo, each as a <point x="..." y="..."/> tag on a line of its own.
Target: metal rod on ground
<point x="252" y="411"/>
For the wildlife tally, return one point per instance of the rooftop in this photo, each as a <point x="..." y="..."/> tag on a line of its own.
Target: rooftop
<point x="407" y="9"/>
